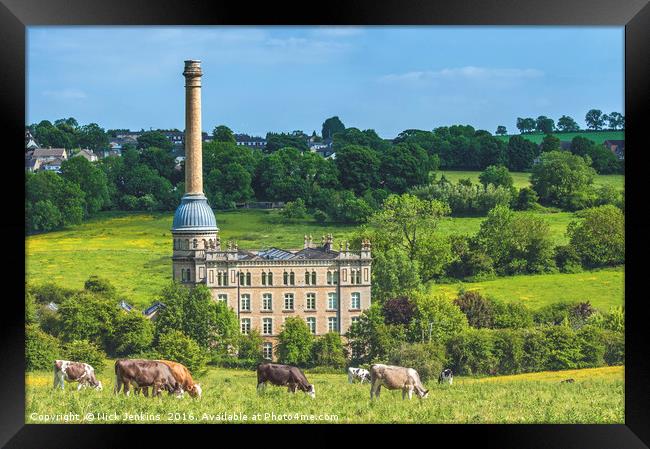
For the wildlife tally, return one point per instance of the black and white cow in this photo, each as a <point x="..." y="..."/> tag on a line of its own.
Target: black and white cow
<point x="67" y="371"/>
<point x="446" y="376"/>
<point x="358" y="374"/>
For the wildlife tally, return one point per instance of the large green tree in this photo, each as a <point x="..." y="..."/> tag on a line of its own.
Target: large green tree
<point x="599" y="238"/>
<point x="563" y="179"/>
<point x="295" y="342"/>
<point x="594" y="119"/>
<point x="222" y="133"/>
<point x="91" y="180"/>
<point x="332" y="126"/>
<point x="358" y="168"/>
<point x="521" y="153"/>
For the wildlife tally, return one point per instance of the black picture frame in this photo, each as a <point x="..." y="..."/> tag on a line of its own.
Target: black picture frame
<point x="15" y="15"/>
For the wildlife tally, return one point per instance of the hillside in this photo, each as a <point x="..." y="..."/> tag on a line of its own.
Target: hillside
<point x="596" y="136"/>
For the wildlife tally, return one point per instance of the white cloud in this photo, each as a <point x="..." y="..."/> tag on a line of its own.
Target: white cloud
<point x="471" y="73"/>
<point x="66" y="94"/>
<point x="337" y="31"/>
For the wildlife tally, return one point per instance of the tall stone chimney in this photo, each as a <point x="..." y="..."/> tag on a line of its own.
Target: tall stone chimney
<point x="194" y="229"/>
<point x="193" y="140"/>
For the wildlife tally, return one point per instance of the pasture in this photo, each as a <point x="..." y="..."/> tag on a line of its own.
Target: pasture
<point x="604" y="289"/>
<point x="597" y="396"/>
<point x="596" y="136"/>
<point x="133" y="251"/>
<point x="522" y="179"/>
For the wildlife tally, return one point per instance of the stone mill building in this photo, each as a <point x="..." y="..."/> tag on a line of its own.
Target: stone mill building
<point x="325" y="286"/>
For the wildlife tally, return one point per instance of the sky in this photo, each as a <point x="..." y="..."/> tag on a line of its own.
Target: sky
<point x="259" y="79"/>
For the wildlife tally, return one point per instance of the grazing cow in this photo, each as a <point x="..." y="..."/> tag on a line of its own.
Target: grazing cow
<point x="446" y="375"/>
<point x="182" y="376"/>
<point x="83" y="373"/>
<point x="145" y="373"/>
<point x="396" y="378"/>
<point x="358" y="373"/>
<point x="282" y="375"/>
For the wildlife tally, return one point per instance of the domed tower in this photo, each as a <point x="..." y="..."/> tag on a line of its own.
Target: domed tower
<point x="194" y="229"/>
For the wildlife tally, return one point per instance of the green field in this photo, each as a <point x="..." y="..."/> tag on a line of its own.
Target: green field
<point x="522" y="179"/>
<point x="133" y="250"/>
<point x="597" y="396"/>
<point x="602" y="288"/>
<point x="596" y="136"/>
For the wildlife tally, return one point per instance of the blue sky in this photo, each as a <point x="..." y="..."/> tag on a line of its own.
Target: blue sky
<point x="259" y="79"/>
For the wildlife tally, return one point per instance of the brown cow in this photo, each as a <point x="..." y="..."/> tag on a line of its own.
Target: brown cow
<point x="67" y="371"/>
<point x="282" y="375"/>
<point x="145" y="373"/>
<point x="394" y="378"/>
<point x="182" y="376"/>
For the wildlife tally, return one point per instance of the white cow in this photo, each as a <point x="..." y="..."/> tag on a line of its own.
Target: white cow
<point x="396" y="378"/>
<point x="358" y="373"/>
<point x="67" y="371"/>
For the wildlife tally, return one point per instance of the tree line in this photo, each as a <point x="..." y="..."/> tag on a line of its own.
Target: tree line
<point x="595" y="120"/>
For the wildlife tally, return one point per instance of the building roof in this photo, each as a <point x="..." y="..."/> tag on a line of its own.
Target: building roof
<point x="153" y="308"/>
<point x="53" y="163"/>
<point x="49" y="152"/>
<point x="88" y="154"/>
<point x="316" y="253"/>
<point x="618" y="143"/>
<point x="275" y="254"/>
<point x="194" y="214"/>
<point x="125" y="306"/>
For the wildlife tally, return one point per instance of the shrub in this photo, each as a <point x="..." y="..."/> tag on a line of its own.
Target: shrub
<point x="614" y="347"/>
<point x="527" y="199"/>
<point x="133" y="334"/>
<point x="437" y="318"/>
<point x="476" y="308"/>
<point x="472" y="352"/>
<point x="567" y="259"/>
<point x="514" y="315"/>
<point x="328" y="351"/>
<point x="97" y="284"/>
<point x="599" y="239"/>
<point x="49" y="320"/>
<point x="88" y="316"/>
<point x="295" y="342"/>
<point x="509" y="351"/>
<point x="294" y="209"/>
<point x="320" y="216"/>
<point x="564" y="348"/>
<point x="554" y="314"/>
<point x="250" y="346"/>
<point x="41" y="349"/>
<point x="86" y="352"/>
<point x="178" y="347"/>
<point x="497" y="175"/>
<point x="428" y="359"/>
<point x="398" y="310"/>
<point x="614" y="320"/>
<point x="592" y="347"/>
<point x="536" y="351"/>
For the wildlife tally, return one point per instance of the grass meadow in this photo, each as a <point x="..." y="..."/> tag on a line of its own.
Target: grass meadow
<point x="597" y="396"/>
<point x="522" y="179"/>
<point x="596" y="136"/>
<point x="133" y="251"/>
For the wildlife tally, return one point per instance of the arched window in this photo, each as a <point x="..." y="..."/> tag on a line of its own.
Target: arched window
<point x="248" y="279"/>
<point x="242" y="278"/>
<point x="270" y="279"/>
<point x="263" y="277"/>
<point x="285" y="278"/>
<point x="329" y="278"/>
<point x="313" y="278"/>
<point x="292" y="278"/>
<point x="187" y="243"/>
<point x="307" y="278"/>
<point x="205" y="244"/>
<point x="195" y="243"/>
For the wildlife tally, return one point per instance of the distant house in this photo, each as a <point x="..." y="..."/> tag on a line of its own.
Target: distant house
<point x="50" y="154"/>
<point x="254" y="142"/>
<point x="617" y="147"/>
<point x="53" y="165"/>
<point x="151" y="311"/>
<point x="31" y="164"/>
<point x="88" y="154"/>
<point x="30" y="143"/>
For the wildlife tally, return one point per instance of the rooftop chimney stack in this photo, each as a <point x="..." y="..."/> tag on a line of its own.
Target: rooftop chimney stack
<point x="193" y="141"/>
